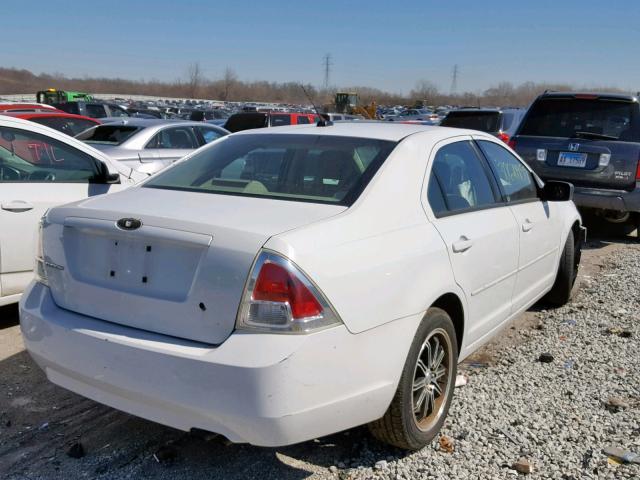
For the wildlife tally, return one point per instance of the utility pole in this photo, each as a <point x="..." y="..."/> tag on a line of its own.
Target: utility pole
<point x="454" y="79"/>
<point x="326" y="61"/>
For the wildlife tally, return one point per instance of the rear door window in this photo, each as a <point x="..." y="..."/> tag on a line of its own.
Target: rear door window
<point x="462" y="178"/>
<point x="516" y="181"/>
<point x="576" y="117"/>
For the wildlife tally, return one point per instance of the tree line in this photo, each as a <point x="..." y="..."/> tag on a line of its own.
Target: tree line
<point x="229" y="87"/>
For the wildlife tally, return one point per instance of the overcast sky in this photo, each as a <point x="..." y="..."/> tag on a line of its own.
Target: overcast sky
<point x="385" y="44"/>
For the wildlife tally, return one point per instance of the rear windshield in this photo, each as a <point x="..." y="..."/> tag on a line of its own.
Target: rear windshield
<point x="483" y="121"/>
<point x="108" y="134"/>
<point x="237" y="123"/>
<point x="573" y="117"/>
<point x="311" y="168"/>
<point x="70" y="126"/>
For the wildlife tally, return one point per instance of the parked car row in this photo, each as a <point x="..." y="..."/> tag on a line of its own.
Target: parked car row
<point x="150" y="145"/>
<point x="268" y="243"/>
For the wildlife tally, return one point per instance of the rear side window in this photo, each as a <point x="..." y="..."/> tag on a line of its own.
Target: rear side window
<point x="108" y="134"/>
<point x="462" y="179"/>
<point x="178" y="138"/>
<point x="311" y="168"/>
<point x="483" y="121"/>
<point x="576" y="117"/>
<point x="96" y="111"/>
<point x="209" y="134"/>
<point x="436" y="197"/>
<point x="507" y="120"/>
<point x="117" y="111"/>
<point x="280" y="120"/>
<point x="516" y="181"/>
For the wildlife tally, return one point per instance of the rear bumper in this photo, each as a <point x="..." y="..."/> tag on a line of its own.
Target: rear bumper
<point x="268" y="390"/>
<point x="618" y="200"/>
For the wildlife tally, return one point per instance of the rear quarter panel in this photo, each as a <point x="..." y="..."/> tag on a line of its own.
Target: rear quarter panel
<point x="380" y="260"/>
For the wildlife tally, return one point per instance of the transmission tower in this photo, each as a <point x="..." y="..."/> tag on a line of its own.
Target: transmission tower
<point x="454" y="79"/>
<point x="326" y="61"/>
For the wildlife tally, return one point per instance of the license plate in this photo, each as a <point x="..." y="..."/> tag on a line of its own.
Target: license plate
<point x="572" y="159"/>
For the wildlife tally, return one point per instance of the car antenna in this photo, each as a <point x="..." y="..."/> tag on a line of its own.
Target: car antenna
<point x="322" y="122"/>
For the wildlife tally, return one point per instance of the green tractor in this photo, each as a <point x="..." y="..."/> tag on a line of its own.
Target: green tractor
<point x="51" y="96"/>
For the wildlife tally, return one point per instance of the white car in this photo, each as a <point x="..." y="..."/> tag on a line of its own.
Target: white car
<point x="39" y="169"/>
<point x="283" y="284"/>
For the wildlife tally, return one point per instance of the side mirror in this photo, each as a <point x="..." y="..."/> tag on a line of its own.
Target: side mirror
<point x="555" y="191"/>
<point x="106" y="176"/>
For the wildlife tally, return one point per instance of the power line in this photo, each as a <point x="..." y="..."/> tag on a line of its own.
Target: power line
<point x="327" y="69"/>
<point x="454" y="79"/>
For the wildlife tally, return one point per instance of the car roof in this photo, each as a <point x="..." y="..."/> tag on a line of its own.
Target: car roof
<point x="53" y="113"/>
<point x="147" y="122"/>
<point x="611" y="95"/>
<point x="379" y="130"/>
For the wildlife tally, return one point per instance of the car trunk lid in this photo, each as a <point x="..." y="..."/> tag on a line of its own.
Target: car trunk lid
<point x="180" y="272"/>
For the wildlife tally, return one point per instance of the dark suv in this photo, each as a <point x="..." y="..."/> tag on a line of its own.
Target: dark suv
<point x="591" y="140"/>
<point x="499" y="122"/>
<point x="93" y="109"/>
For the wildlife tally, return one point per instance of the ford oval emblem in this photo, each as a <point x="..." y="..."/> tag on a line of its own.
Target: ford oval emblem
<point x="129" y="223"/>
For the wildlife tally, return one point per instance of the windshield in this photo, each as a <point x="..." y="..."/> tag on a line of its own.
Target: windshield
<point x="571" y="117"/>
<point x="70" y="126"/>
<point x="483" y="121"/>
<point x="312" y="168"/>
<point x="108" y="134"/>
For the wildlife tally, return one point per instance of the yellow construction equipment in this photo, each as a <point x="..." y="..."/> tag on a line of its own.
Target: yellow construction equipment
<point x="348" y="103"/>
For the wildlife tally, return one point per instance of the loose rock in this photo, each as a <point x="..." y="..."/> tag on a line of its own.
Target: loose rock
<point x="545" y="358"/>
<point x="76" y="451"/>
<point x="523" y="466"/>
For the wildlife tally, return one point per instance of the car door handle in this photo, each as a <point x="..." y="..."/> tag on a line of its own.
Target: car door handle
<point x="527" y="225"/>
<point x="17" y="206"/>
<point x="462" y="245"/>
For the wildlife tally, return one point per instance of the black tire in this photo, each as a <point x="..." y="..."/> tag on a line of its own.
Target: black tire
<point x="399" y="426"/>
<point x="560" y="293"/>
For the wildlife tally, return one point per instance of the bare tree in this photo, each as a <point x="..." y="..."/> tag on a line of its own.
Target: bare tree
<point x="194" y="79"/>
<point x="424" y="91"/>
<point x="228" y="82"/>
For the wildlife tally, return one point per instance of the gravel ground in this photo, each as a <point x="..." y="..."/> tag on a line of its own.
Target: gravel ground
<point x="558" y="416"/>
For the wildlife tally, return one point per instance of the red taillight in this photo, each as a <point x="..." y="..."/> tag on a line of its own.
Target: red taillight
<point x="638" y="172"/>
<point x="504" y="137"/>
<point x="277" y="284"/>
<point x="512" y="143"/>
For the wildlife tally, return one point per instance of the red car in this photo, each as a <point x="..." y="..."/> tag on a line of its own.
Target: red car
<point x="249" y="120"/>
<point x="63" y="122"/>
<point x="27" y="107"/>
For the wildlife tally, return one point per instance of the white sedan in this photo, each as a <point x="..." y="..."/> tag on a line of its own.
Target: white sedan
<point x="283" y="284"/>
<point x="39" y="169"/>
